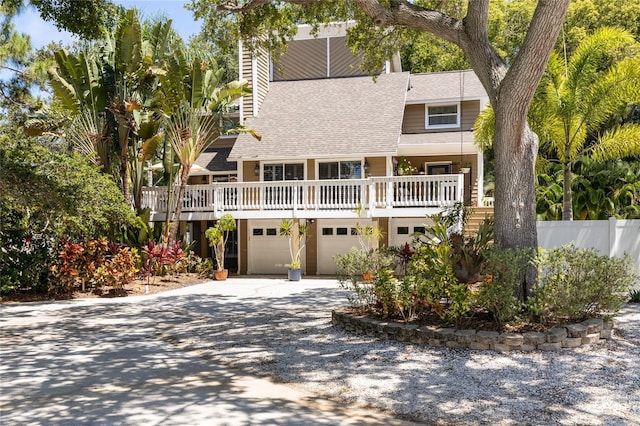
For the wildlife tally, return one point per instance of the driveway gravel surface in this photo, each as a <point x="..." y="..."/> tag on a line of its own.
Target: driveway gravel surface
<point x="263" y="351"/>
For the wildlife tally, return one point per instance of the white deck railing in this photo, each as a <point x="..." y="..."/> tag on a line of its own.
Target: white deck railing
<point x="372" y="193"/>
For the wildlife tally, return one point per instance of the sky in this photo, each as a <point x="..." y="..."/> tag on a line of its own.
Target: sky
<point x="42" y="32"/>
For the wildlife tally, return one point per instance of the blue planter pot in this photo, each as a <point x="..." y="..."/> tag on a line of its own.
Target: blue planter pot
<point x="295" y="274"/>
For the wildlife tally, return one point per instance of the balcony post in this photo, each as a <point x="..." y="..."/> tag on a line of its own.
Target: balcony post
<point x="216" y="199"/>
<point x="372" y="196"/>
<point x="294" y="190"/>
<point x="460" y="188"/>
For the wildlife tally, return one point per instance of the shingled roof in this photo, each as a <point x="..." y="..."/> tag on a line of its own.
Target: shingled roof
<point x="215" y="160"/>
<point x="432" y="87"/>
<point x="327" y="118"/>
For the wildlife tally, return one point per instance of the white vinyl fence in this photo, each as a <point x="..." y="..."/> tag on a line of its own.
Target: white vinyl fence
<point x="612" y="237"/>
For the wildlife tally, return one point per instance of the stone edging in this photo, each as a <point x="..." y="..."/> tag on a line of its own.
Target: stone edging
<point x="571" y="336"/>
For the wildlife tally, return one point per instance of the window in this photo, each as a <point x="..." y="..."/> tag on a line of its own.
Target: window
<point x="327" y="231"/>
<point x="439" y="168"/>
<point x="418" y="229"/>
<point x="403" y="230"/>
<point x="341" y="231"/>
<point x="276" y="172"/>
<point x="340" y="170"/>
<point x="280" y="171"/>
<point x="271" y="231"/>
<point x="258" y="231"/>
<point x="443" y="116"/>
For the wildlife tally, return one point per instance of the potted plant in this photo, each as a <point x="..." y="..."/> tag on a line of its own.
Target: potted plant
<point x="218" y="236"/>
<point x="405" y="168"/>
<point x="465" y="167"/>
<point x="296" y="245"/>
<point x="355" y="266"/>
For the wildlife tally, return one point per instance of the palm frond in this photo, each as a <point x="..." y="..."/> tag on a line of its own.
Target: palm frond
<point x="84" y="135"/>
<point x="619" y="142"/>
<point x="619" y="86"/>
<point x="190" y="132"/>
<point x="586" y="62"/>
<point x="484" y="128"/>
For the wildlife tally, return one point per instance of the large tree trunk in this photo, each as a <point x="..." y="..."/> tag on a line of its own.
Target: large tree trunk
<point x="515" y="195"/>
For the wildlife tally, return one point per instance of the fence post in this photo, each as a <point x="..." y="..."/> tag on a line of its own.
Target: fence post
<point x="612" y="234"/>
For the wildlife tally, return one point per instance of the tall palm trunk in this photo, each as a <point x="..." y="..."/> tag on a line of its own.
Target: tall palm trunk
<point x="567" y="198"/>
<point x="177" y="211"/>
<point x="124" y="173"/>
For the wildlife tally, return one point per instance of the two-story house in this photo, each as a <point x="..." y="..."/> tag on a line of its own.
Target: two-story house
<point x="400" y="147"/>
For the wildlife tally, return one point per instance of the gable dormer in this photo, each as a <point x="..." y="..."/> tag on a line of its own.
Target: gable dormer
<point x="443" y="102"/>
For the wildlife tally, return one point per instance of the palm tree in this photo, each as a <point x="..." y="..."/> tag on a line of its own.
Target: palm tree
<point x="110" y="88"/>
<point x="195" y="102"/>
<point x="577" y="98"/>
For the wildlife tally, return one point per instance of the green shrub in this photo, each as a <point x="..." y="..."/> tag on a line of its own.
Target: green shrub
<point x="24" y="258"/>
<point x="351" y="265"/>
<point x="435" y="281"/>
<point x="350" y="269"/>
<point x="503" y="272"/>
<point x="634" y="296"/>
<point x="388" y="293"/>
<point x="575" y="284"/>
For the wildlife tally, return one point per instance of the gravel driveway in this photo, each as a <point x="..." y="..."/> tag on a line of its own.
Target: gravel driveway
<point x="273" y="328"/>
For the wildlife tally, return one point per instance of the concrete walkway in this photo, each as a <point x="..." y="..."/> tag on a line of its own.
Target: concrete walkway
<point x="105" y="361"/>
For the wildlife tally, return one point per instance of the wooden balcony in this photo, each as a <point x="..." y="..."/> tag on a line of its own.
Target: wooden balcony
<point x="393" y="196"/>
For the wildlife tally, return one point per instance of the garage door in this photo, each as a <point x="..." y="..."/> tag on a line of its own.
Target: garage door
<point x="268" y="251"/>
<point x="335" y="236"/>
<point x="401" y="230"/>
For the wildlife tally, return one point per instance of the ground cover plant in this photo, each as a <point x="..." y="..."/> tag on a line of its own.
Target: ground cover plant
<point x="439" y="282"/>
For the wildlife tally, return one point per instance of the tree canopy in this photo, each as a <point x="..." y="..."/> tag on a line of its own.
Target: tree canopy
<point x="86" y="18"/>
<point x="580" y="106"/>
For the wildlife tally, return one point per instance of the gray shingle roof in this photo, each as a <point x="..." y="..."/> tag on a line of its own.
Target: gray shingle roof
<point x="444" y="85"/>
<point x="327" y="118"/>
<point x="215" y="160"/>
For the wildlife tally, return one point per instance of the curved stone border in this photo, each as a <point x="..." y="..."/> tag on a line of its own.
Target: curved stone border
<point x="571" y="336"/>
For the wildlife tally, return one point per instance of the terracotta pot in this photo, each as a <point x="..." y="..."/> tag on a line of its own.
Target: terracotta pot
<point x="367" y="277"/>
<point x="221" y="275"/>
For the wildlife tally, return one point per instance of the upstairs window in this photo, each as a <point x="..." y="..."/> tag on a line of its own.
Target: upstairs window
<point x="280" y="171"/>
<point x="443" y="116"/>
<point x="340" y="170"/>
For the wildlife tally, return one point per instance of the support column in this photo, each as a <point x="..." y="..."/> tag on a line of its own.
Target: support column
<point x="295" y="235"/>
<point x="375" y="242"/>
<point x="204" y="244"/>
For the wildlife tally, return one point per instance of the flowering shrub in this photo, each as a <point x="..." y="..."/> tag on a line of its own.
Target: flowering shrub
<point x="161" y="259"/>
<point x="91" y="265"/>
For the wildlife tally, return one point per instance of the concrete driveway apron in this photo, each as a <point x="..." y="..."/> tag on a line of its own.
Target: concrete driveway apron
<point x="112" y="361"/>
